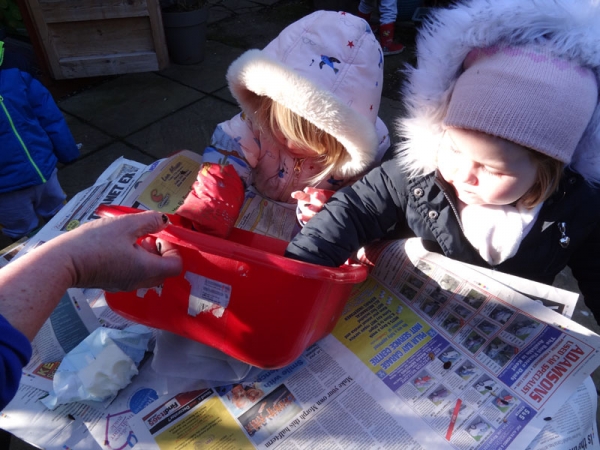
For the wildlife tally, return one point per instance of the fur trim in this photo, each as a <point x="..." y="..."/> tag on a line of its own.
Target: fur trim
<point x="571" y="28"/>
<point x="255" y="73"/>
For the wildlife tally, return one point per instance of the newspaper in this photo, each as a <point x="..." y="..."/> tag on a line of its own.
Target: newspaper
<point x="396" y="372"/>
<point x="268" y="217"/>
<point x="166" y="183"/>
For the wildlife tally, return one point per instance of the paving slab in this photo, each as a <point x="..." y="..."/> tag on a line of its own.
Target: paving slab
<point x="228" y="8"/>
<point x="389" y="111"/>
<point x="209" y="75"/>
<point x="123" y="105"/>
<point x="189" y="128"/>
<point x="256" y="30"/>
<point x="82" y="174"/>
<point x="225" y="94"/>
<point x="90" y="137"/>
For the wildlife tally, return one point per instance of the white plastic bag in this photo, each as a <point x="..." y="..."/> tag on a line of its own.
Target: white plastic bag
<point x="177" y="356"/>
<point x="101" y="365"/>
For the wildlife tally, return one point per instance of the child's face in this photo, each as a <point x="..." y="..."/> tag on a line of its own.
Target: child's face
<point x="293" y="150"/>
<point x="485" y="169"/>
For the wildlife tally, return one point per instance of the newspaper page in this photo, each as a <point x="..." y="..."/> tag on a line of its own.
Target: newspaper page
<point x="110" y="188"/>
<point x="438" y="394"/>
<point x="508" y="362"/>
<point x="270" y="218"/>
<point x="165" y="183"/>
<point x="70" y="323"/>
<point x="428" y="354"/>
<point x="82" y="425"/>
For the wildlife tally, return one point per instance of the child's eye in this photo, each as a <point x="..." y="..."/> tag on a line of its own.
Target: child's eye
<point x="490" y="172"/>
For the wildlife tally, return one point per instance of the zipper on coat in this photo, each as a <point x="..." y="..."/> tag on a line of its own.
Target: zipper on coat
<point x="457" y="215"/>
<point x="18" y="136"/>
<point x="451" y="203"/>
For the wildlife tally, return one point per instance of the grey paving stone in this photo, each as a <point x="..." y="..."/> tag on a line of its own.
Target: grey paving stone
<point x="225" y="94"/>
<point x="90" y="138"/>
<point x="389" y="111"/>
<point x="209" y="75"/>
<point x="189" y="128"/>
<point x="122" y="106"/>
<point x="83" y="173"/>
<point x="257" y="29"/>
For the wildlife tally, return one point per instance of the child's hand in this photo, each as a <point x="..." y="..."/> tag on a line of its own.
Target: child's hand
<point x="310" y="202"/>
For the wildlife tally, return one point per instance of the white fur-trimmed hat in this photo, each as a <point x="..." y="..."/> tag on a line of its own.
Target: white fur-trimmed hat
<point x="326" y="67"/>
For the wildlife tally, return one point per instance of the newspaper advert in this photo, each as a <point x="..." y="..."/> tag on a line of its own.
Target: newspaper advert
<point x="166" y="183"/>
<point x="264" y="216"/>
<point x="475" y="359"/>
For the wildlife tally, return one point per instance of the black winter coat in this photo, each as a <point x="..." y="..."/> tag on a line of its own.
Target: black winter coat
<point x="385" y="204"/>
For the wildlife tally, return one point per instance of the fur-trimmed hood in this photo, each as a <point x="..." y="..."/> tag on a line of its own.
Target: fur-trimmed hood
<point x="328" y="68"/>
<point x="570" y="27"/>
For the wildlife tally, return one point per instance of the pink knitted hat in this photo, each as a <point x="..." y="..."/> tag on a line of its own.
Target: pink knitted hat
<point x="525" y="95"/>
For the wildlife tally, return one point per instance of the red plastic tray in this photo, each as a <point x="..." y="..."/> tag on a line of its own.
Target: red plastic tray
<point x="262" y="308"/>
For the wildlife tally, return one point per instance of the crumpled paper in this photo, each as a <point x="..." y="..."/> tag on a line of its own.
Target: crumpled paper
<point x="100" y="366"/>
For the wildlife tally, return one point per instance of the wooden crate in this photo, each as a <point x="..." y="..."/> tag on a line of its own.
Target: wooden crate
<point x="89" y="38"/>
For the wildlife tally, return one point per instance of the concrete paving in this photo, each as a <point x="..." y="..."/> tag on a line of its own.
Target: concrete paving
<point x="146" y="116"/>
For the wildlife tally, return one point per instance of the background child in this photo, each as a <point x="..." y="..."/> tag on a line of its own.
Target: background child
<point x="34" y="136"/>
<point x="388" y="12"/>
<point x="502" y="154"/>
<point x="309" y="104"/>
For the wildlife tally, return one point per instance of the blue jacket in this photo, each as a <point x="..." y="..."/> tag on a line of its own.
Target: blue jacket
<point x="15" y="352"/>
<point x="33" y="132"/>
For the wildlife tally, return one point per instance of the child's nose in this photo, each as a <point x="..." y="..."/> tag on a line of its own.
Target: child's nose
<point x="465" y="172"/>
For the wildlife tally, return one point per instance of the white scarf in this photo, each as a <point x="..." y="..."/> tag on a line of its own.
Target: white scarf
<point x="497" y="231"/>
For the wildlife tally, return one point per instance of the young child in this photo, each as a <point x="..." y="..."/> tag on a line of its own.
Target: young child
<point x="388" y="12"/>
<point x="34" y="136"/>
<point x="501" y="162"/>
<point x="309" y="104"/>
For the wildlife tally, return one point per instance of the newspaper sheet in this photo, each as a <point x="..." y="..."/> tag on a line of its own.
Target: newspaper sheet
<point x="166" y="183"/>
<point x="110" y="188"/>
<point x="429" y="353"/>
<point x="429" y="398"/>
<point x="264" y="216"/>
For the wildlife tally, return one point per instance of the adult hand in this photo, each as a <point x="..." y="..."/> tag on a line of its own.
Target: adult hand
<point x="104" y="253"/>
<point x="310" y="202"/>
<point x="108" y="253"/>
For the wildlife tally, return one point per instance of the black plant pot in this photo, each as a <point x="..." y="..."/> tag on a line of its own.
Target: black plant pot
<point x="185" y="33"/>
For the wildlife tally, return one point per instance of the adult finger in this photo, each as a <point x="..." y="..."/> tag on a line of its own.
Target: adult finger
<point x="142" y="224"/>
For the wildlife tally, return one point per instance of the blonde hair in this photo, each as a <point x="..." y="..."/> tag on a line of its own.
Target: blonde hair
<point x="300" y="132"/>
<point x="549" y="172"/>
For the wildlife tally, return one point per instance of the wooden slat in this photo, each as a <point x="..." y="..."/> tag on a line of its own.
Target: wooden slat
<point x="158" y="34"/>
<point x="110" y="65"/>
<point x="35" y="12"/>
<point x="102" y="38"/>
<point x="79" y="10"/>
